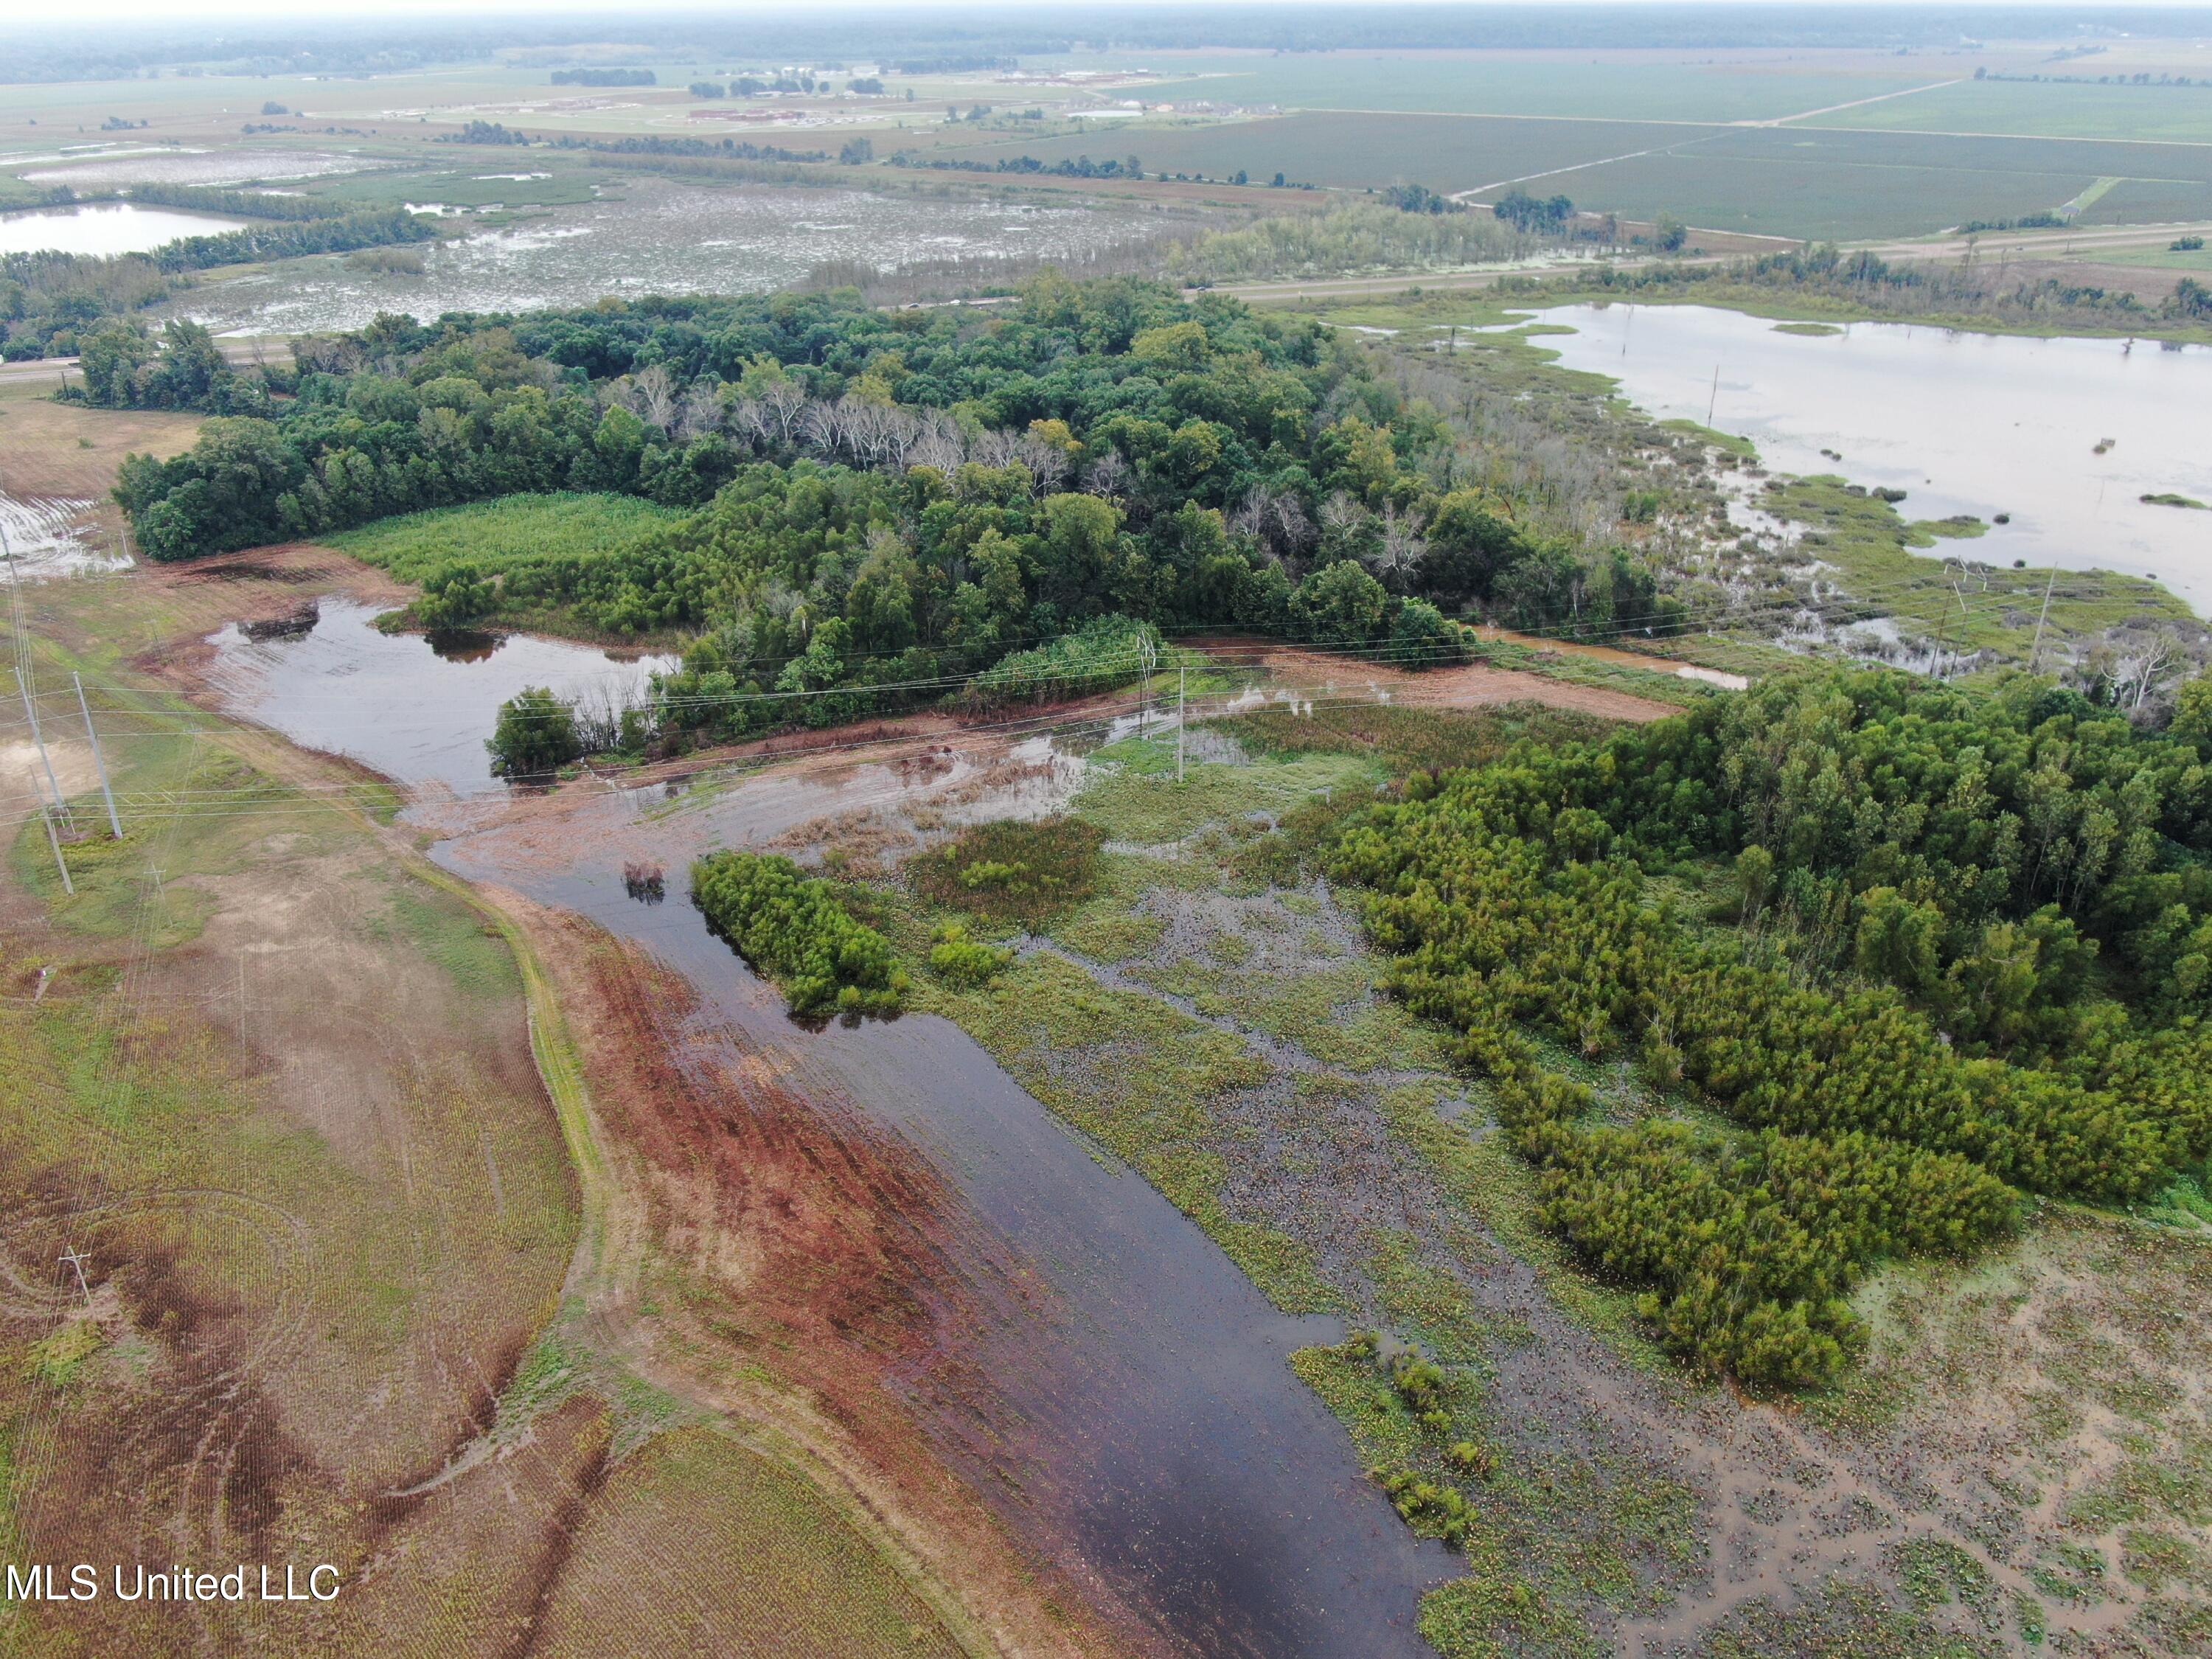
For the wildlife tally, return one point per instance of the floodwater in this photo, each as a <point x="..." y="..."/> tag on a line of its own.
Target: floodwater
<point x="659" y="237"/>
<point x="1146" y="1431"/>
<point x="414" y="708"/>
<point x="105" y="227"/>
<point x="51" y="536"/>
<point x="147" y="165"/>
<point x="1971" y="423"/>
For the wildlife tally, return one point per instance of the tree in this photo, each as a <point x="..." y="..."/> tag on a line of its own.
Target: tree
<point x="2192" y="713"/>
<point x="535" y="736"/>
<point x="1669" y="233"/>
<point x="1341" y="606"/>
<point x="1530" y="215"/>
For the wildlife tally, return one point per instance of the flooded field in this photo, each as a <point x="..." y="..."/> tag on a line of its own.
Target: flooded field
<point x="413" y="708"/>
<point x="105" y="227"/>
<point x="2065" y="435"/>
<point x="47" y="538"/>
<point x="134" y="165"/>
<point x="1141" y="1422"/>
<point x="656" y="237"/>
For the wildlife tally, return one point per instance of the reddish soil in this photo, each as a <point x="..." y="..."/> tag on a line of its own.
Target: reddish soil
<point x="1474" y="685"/>
<point x="809" y="1246"/>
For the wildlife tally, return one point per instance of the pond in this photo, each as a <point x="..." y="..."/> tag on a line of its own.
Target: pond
<point x="415" y="708"/>
<point x="1964" y="423"/>
<point x="1139" y="1425"/>
<point x="105" y="227"/>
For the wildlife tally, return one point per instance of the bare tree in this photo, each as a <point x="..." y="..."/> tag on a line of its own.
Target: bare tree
<point x="750" y="422"/>
<point x="700" y="413"/>
<point x="782" y="403"/>
<point x="939" y="442"/>
<point x="1398" y="554"/>
<point x="650" y="394"/>
<point x="1049" y="464"/>
<point x="1108" y="477"/>
<point x="994" y="447"/>
<point x="1276" y="519"/>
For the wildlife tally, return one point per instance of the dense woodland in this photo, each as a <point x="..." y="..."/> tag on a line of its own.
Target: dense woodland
<point x="889" y="499"/>
<point x="1886" y="954"/>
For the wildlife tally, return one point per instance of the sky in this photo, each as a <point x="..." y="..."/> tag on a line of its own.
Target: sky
<point x="218" y="11"/>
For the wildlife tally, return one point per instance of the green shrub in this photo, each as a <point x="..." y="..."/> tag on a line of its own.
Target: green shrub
<point x="964" y="962"/>
<point x="1012" y="871"/>
<point x="795" y="930"/>
<point x="1104" y="654"/>
<point x="535" y="736"/>
<point x="1928" y="1025"/>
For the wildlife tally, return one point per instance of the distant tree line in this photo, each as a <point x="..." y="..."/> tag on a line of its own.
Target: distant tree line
<point x="492" y="132"/>
<point x="1080" y="166"/>
<point x="603" y="77"/>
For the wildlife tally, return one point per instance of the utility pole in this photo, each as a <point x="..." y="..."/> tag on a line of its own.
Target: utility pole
<point x="46" y="760"/>
<point x="2035" y="652"/>
<point x="75" y="1259"/>
<point x="1714" y="401"/>
<point x="1181" y="703"/>
<point x="99" y="763"/>
<point x="55" y="841"/>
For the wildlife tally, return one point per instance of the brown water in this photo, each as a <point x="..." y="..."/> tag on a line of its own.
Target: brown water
<point x="1146" y="1430"/>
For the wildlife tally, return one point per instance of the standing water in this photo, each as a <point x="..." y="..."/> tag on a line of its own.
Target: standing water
<point x="2066" y="436"/>
<point x="105" y="227"/>
<point x="1145" y="1429"/>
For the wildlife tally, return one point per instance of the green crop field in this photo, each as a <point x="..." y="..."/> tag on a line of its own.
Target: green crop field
<point x="1780" y="181"/>
<point x="1351" y="151"/>
<point x="2199" y="260"/>
<point x="1803" y="182"/>
<point x="2043" y="110"/>
<point x="1487" y="84"/>
<point x="2150" y="202"/>
<point x="494" y="534"/>
<point x="566" y="184"/>
<point x="1814" y="198"/>
<point x="2091" y="158"/>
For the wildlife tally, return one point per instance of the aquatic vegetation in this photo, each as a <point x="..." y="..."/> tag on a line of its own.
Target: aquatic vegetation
<point x="797" y="931"/>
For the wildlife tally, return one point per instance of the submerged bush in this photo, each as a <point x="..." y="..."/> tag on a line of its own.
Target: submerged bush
<point x="536" y="735"/>
<point x="795" y="930"/>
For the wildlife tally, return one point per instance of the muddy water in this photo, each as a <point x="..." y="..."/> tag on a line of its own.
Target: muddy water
<point x="416" y="710"/>
<point x="2065" y="435"/>
<point x="50" y="536"/>
<point x="1146" y="1431"/>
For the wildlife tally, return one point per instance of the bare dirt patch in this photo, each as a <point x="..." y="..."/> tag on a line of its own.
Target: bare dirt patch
<point x="1473" y="685"/>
